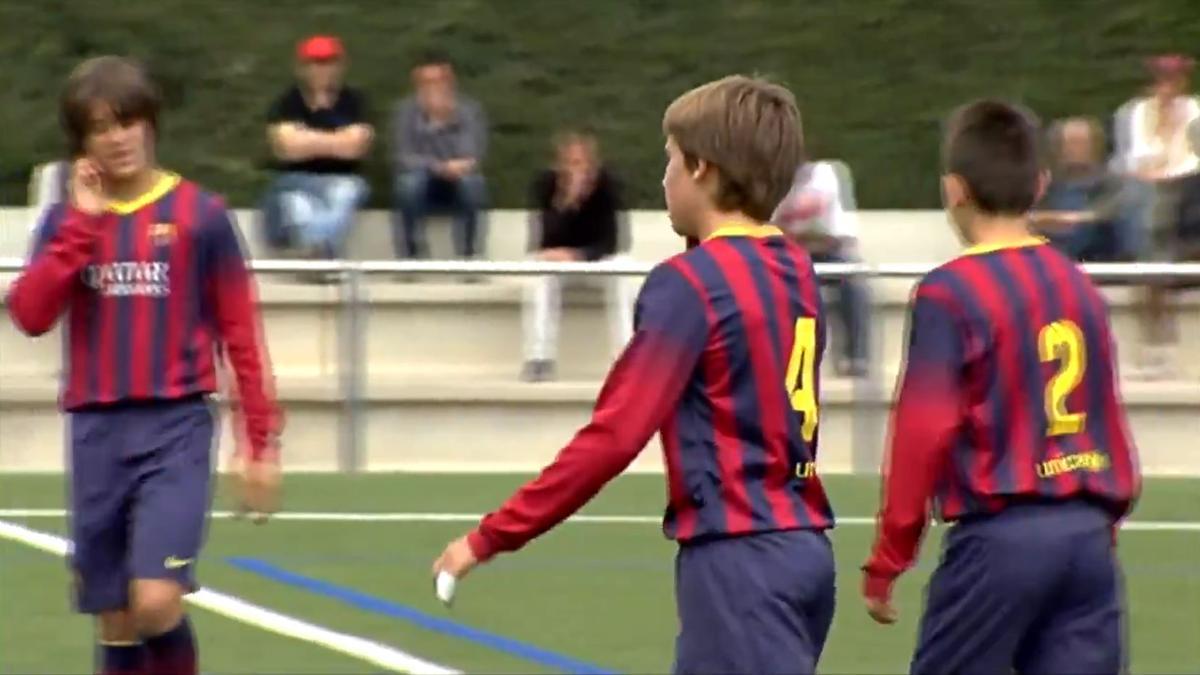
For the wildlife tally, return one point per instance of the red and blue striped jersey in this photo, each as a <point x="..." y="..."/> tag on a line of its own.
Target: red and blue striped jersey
<point x="156" y="291"/>
<point x="1009" y="394"/>
<point x="724" y="364"/>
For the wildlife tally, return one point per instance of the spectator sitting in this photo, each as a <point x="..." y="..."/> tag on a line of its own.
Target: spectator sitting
<point x="439" y="137"/>
<point x="319" y="134"/>
<point x="575" y="215"/>
<point x="1163" y="160"/>
<point x="819" y="214"/>
<point x="1084" y="212"/>
<point x="48" y="186"/>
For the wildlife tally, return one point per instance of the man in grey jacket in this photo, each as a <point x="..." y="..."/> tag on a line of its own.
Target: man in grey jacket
<point x="439" y="137"/>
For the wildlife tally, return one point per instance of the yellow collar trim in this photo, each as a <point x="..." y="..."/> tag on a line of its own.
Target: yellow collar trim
<point x="165" y="184"/>
<point x="980" y="249"/>
<point x="742" y="230"/>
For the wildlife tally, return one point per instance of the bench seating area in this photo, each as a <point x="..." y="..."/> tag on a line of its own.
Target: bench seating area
<point x="441" y="359"/>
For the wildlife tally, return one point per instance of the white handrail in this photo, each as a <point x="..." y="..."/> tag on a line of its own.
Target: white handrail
<point x="1102" y="271"/>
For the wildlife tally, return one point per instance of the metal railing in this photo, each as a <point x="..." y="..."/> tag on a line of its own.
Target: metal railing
<point x="351" y="364"/>
<point x="1100" y="271"/>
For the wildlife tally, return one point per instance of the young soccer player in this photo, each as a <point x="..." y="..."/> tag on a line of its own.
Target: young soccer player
<point x="1009" y="420"/>
<point x="150" y="272"/>
<point x="724" y="360"/>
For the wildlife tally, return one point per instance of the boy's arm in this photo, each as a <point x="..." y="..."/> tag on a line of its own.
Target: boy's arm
<point x="927" y="414"/>
<point x="640" y="392"/>
<point x="231" y="287"/>
<point x="63" y="245"/>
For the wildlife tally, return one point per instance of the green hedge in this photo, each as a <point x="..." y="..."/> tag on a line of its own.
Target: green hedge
<point x="874" y="77"/>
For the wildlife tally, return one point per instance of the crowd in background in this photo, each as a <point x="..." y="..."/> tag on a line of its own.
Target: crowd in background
<point x="1124" y="190"/>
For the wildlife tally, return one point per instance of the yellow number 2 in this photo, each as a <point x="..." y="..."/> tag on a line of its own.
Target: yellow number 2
<point x="800" y="383"/>
<point x="1062" y="341"/>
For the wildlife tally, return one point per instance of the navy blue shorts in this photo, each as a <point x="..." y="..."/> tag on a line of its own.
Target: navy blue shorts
<point x="140" y="494"/>
<point x="760" y="603"/>
<point x="1036" y="588"/>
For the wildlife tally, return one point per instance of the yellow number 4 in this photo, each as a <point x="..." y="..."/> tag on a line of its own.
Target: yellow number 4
<point x="1062" y="341"/>
<point x="800" y="382"/>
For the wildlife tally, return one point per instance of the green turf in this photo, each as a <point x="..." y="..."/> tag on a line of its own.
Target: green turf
<point x="600" y="593"/>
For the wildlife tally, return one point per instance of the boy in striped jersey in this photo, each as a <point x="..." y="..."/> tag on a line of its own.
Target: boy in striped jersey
<point x="149" y="270"/>
<point x="724" y="365"/>
<point x="1009" y="421"/>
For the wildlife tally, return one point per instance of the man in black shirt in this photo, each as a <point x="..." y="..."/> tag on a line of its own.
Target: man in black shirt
<point x="319" y="134"/>
<point x="575" y="215"/>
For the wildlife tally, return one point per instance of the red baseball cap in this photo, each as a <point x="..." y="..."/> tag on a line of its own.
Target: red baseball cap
<point x="320" y="48"/>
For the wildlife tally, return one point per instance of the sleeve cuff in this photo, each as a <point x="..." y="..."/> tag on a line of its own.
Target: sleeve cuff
<point x="877" y="586"/>
<point x="481" y="547"/>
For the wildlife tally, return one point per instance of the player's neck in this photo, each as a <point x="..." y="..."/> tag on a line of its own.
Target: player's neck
<point x="994" y="230"/>
<point x="129" y="189"/>
<point x="715" y="220"/>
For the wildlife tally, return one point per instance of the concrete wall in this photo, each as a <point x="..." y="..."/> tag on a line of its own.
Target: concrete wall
<point x="442" y="359"/>
<point x="887" y="236"/>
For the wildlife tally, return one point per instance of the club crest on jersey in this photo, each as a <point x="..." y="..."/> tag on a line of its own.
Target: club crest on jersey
<point x="162" y="234"/>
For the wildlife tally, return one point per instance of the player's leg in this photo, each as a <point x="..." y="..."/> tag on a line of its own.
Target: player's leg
<point x="169" y="523"/>
<point x="1081" y="629"/>
<point x="99" y="491"/>
<point x="802" y="599"/>
<point x="983" y="596"/>
<point x="760" y="604"/>
<point x="712" y="636"/>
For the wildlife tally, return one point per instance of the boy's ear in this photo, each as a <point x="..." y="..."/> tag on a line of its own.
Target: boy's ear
<point x="955" y="192"/>
<point x="1042" y="185"/>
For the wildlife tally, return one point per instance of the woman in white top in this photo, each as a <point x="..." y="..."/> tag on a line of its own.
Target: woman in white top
<point x="1162" y="156"/>
<point x="1160" y="151"/>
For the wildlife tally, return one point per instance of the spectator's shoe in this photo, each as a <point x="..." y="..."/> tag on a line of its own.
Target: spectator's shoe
<point x="852" y="368"/>
<point x="1155" y="364"/>
<point x="538" y="371"/>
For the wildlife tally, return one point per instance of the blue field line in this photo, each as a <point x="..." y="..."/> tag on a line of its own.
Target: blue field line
<point x="437" y="624"/>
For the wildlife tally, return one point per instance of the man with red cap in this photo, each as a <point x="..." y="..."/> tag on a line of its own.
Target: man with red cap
<point x="319" y="134"/>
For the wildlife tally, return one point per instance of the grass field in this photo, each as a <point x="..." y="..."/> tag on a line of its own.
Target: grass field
<point x="590" y="596"/>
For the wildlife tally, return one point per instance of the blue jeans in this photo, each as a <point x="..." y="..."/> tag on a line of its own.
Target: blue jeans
<point x="318" y="208"/>
<point x="853" y="309"/>
<point x="419" y="193"/>
<point x="1116" y="239"/>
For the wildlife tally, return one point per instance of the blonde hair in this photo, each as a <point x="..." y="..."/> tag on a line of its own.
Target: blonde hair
<point x="749" y="129"/>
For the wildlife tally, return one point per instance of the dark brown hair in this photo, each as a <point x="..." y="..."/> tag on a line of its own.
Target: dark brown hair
<point x="749" y="129"/>
<point x="118" y="82"/>
<point x="994" y="147"/>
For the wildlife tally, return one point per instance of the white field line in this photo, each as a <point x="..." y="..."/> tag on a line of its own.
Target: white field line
<point x="237" y="609"/>
<point x="379" y="517"/>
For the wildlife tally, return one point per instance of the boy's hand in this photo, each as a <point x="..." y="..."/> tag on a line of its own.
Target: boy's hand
<point x="87" y="189"/>
<point x="258" y="488"/>
<point x="458" y="559"/>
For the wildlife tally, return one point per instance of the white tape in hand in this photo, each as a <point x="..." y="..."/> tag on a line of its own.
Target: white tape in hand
<point x="444" y="587"/>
